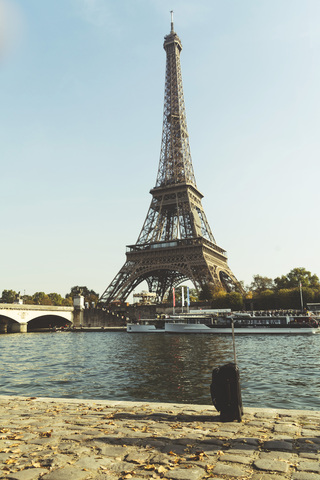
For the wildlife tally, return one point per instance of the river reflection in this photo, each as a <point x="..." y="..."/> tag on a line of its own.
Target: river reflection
<point x="176" y="367"/>
<point x="276" y="371"/>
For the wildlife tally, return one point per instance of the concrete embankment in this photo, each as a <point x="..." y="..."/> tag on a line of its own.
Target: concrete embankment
<point x="58" y="439"/>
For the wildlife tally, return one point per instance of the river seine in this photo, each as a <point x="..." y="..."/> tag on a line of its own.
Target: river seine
<point x="276" y="371"/>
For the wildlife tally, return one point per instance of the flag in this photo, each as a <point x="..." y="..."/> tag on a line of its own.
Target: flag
<point x="182" y="296"/>
<point x="174" y="297"/>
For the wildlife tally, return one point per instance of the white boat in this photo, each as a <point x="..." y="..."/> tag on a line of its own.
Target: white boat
<point x="143" y="327"/>
<point x="243" y="323"/>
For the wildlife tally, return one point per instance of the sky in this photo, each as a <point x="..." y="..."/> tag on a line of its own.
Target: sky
<point x="81" y="104"/>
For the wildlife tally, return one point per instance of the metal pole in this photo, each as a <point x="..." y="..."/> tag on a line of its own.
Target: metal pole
<point x="182" y="298"/>
<point x="233" y="341"/>
<point x="301" y="299"/>
<point x="188" y="299"/>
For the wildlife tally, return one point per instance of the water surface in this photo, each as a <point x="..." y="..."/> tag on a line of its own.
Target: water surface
<point x="277" y="371"/>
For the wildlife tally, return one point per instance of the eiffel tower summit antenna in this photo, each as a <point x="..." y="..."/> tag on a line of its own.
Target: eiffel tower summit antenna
<point x="172" y="29"/>
<point x="175" y="243"/>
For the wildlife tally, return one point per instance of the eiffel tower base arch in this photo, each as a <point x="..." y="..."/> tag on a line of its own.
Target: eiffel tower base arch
<point x="167" y="265"/>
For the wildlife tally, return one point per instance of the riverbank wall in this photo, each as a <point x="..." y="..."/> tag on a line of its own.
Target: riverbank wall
<point x="114" y="316"/>
<point x="58" y="439"/>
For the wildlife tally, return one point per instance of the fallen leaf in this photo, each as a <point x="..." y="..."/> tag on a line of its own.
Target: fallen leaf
<point x="105" y="417"/>
<point x="16" y="450"/>
<point x="198" y="456"/>
<point x="161" y="469"/>
<point x="46" y="434"/>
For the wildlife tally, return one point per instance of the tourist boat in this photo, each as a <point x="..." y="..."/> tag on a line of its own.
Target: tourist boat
<point x="242" y="324"/>
<point x="144" y="326"/>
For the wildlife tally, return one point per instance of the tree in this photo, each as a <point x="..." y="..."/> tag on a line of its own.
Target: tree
<point x="241" y="287"/>
<point x="41" y="298"/>
<point x="223" y="299"/>
<point x="316" y="295"/>
<point x="193" y="295"/>
<point x="220" y="300"/>
<point x="235" y="300"/>
<point x="266" y="300"/>
<point x="294" y="277"/>
<point x="260" y="284"/>
<point x="281" y="283"/>
<point x="28" y="300"/>
<point x="55" y="298"/>
<point x="67" y="302"/>
<point x="8" y="296"/>
<point x="207" y="292"/>
<point x="90" y="296"/>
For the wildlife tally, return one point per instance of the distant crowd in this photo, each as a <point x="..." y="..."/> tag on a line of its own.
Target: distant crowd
<point x="278" y="313"/>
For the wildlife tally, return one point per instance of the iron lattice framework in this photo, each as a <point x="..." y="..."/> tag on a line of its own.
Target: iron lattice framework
<point x="175" y="242"/>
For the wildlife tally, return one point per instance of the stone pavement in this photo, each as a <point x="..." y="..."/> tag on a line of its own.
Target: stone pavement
<point x="64" y="439"/>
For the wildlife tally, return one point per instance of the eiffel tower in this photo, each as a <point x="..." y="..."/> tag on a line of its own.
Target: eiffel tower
<point x="175" y="243"/>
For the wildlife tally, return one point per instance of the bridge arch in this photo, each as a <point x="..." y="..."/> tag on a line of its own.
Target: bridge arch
<point x="23" y="318"/>
<point x="8" y="325"/>
<point x="45" y="322"/>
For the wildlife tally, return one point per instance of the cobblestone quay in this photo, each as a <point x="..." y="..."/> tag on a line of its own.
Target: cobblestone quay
<point x="58" y="439"/>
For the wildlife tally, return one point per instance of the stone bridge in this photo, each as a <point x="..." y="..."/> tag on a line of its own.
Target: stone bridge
<point x="21" y="318"/>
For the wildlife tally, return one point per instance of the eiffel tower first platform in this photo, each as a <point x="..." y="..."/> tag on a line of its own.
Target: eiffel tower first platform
<point x="175" y="243"/>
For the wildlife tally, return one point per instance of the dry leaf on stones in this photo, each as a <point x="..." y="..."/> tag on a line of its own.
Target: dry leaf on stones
<point x="161" y="469"/>
<point x="46" y="434"/>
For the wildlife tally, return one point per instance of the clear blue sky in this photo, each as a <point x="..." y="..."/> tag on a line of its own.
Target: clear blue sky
<point x="82" y="87"/>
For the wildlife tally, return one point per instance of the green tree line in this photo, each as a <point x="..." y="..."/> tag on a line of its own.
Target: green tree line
<point x="265" y="293"/>
<point x="42" y="298"/>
